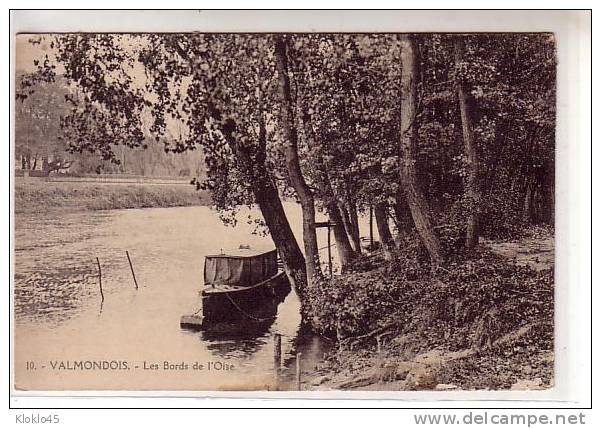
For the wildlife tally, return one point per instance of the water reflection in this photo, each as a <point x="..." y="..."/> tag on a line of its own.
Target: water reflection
<point x="236" y="348"/>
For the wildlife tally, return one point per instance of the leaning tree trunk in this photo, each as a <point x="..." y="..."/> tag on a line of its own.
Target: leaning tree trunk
<point x="343" y="245"/>
<point x="348" y="211"/>
<point x="348" y="227"/>
<point x="295" y="174"/>
<point x="472" y="190"/>
<point x="252" y="161"/>
<point x="381" y="214"/>
<point x="416" y="199"/>
<point x="270" y="204"/>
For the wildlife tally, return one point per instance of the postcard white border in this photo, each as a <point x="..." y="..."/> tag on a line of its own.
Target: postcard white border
<point x="573" y="281"/>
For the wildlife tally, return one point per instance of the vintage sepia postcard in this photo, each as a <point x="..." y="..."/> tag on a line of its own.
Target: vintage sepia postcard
<point x="271" y="211"/>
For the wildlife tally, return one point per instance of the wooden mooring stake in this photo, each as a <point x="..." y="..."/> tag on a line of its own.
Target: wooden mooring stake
<point x="298" y="371"/>
<point x="100" y="278"/>
<point x="329" y="250"/>
<point x="371" y="228"/>
<point x="132" y="269"/>
<point x="277" y="352"/>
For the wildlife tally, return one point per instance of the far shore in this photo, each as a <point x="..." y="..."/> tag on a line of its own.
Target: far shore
<point x="38" y="195"/>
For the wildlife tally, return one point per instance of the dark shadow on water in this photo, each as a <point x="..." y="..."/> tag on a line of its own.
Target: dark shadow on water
<point x="243" y="329"/>
<point x="312" y="347"/>
<point x="234" y="346"/>
<point x="244" y="337"/>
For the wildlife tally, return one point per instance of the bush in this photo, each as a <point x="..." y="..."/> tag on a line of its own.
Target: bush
<point x="501" y="215"/>
<point x="500" y="219"/>
<point x="469" y="302"/>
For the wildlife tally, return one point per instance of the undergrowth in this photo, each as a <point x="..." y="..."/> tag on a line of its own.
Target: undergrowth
<point x="470" y="302"/>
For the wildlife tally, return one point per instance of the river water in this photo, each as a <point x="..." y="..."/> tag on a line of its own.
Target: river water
<point x="59" y="316"/>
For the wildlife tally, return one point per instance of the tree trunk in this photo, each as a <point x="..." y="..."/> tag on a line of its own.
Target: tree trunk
<point x="402" y="215"/>
<point x="549" y="197"/>
<point x="343" y="245"/>
<point x="348" y="228"/>
<point x="472" y="190"/>
<point x="501" y="135"/>
<point x="381" y="214"/>
<point x="354" y="223"/>
<point x="537" y="205"/>
<point x="420" y="211"/>
<point x="251" y="160"/>
<point x="527" y="211"/>
<point x="270" y="204"/>
<point x="23" y="162"/>
<point x="303" y="191"/>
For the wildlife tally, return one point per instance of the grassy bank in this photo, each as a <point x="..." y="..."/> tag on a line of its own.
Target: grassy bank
<point x="480" y="322"/>
<point x="38" y="195"/>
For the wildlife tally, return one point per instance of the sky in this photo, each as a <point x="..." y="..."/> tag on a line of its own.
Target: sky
<point x="26" y="52"/>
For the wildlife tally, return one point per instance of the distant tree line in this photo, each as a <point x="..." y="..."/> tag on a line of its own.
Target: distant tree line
<point x="42" y="140"/>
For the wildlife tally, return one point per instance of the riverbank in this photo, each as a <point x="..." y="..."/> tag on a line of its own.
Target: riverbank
<point x="483" y="323"/>
<point x="38" y="195"/>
